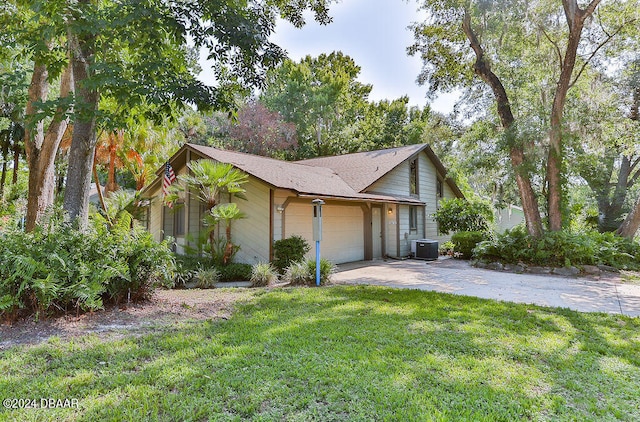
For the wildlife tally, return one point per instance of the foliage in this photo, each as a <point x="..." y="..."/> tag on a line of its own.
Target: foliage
<point x="465" y="242"/>
<point x="56" y="268"/>
<point x="235" y="271"/>
<point x="390" y="354"/>
<point x="322" y="97"/>
<point x="289" y="250"/>
<point x="499" y="54"/>
<point x="457" y="214"/>
<point x="261" y="131"/>
<point x="446" y="247"/>
<point x="223" y="252"/>
<point x="303" y="273"/>
<point x="207" y="277"/>
<point x="563" y="248"/>
<point x="263" y="274"/>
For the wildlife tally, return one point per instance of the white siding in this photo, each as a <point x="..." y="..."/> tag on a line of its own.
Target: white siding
<point x="396" y="182"/>
<point x="252" y="232"/>
<point x="155" y="215"/>
<point x="342" y="230"/>
<point x="406" y="234"/>
<point x="391" y="246"/>
<point x="279" y="198"/>
<point x="428" y="179"/>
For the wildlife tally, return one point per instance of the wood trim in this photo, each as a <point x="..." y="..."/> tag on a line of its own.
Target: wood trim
<point x="397" y="231"/>
<point x="271" y="218"/>
<point x="367" y="221"/>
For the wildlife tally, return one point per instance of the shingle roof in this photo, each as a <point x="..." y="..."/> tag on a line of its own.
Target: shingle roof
<point x="342" y="177"/>
<point x="282" y="174"/>
<point x="360" y="170"/>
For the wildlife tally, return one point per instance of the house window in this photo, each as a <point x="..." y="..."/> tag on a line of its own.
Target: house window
<point x="413" y="218"/>
<point x="178" y="222"/>
<point x="413" y="177"/>
<point x="439" y="192"/>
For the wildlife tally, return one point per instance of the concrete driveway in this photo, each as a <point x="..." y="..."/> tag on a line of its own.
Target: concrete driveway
<point x="607" y="294"/>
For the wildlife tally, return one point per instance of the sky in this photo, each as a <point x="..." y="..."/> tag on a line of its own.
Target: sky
<point x="375" y="34"/>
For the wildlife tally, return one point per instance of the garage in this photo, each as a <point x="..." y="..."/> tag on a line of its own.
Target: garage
<point x="342" y="230"/>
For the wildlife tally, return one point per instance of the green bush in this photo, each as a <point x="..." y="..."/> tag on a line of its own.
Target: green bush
<point x="58" y="268"/>
<point x="207" y="277"/>
<point x="234" y="272"/>
<point x="562" y="248"/>
<point x="304" y="272"/>
<point x="263" y="274"/>
<point x="289" y="250"/>
<point x="461" y="215"/>
<point x="465" y="242"/>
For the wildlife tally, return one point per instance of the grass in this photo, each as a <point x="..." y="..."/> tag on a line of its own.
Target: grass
<point x="345" y="353"/>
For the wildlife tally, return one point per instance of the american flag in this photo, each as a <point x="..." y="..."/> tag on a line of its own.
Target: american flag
<point x="169" y="178"/>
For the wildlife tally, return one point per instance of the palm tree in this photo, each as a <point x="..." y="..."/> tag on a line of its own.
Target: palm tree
<point x="208" y="180"/>
<point x="225" y="213"/>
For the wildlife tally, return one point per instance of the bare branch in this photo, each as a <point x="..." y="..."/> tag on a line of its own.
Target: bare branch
<point x="555" y="45"/>
<point x="594" y="52"/>
<point x="588" y="11"/>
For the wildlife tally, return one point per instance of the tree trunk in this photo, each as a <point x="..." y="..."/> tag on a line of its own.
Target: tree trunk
<point x="83" y="141"/>
<point x="5" y="157"/>
<point x="16" y="160"/>
<point x="516" y="152"/>
<point x="575" y="20"/>
<point x="630" y="225"/>
<point x="41" y="147"/>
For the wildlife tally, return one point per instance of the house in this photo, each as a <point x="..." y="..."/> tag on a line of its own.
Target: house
<point x="375" y="202"/>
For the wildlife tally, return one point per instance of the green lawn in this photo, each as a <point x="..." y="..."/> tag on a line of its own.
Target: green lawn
<point x="345" y="353"/>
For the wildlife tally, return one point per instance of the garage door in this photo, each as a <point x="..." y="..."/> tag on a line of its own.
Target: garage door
<point x="342" y="230"/>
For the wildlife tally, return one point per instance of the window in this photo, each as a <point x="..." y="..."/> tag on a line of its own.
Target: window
<point x="439" y="189"/>
<point x="413" y="218"/>
<point x="413" y="177"/>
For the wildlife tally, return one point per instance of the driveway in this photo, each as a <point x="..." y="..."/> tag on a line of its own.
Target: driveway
<point x="606" y="294"/>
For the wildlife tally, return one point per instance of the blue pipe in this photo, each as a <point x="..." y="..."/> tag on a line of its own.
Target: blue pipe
<point x="317" y="263"/>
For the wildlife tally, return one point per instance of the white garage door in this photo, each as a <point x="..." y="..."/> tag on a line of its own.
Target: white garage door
<point x="342" y="230"/>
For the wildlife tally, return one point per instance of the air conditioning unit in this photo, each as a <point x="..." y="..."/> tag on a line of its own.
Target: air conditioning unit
<point x="425" y="249"/>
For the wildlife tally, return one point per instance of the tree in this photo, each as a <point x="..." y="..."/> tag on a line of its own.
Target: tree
<point x="208" y="180"/>
<point x="260" y="131"/>
<point x="631" y="223"/>
<point x="509" y="45"/>
<point x="224" y="213"/>
<point x="322" y="97"/>
<point x="133" y="51"/>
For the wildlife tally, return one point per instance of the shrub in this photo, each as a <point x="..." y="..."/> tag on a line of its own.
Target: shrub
<point x="58" y="268"/>
<point x="289" y="250"/>
<point x="304" y="272"/>
<point x="465" y="242"/>
<point x="561" y="248"/>
<point x="235" y="272"/>
<point x="207" y="277"/>
<point x="263" y="274"/>
<point x="457" y="215"/>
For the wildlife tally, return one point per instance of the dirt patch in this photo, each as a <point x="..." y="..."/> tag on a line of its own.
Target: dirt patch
<point x="167" y="307"/>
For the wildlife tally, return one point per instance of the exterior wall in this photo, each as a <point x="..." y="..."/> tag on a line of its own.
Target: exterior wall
<point x="396" y="182"/>
<point x="391" y="227"/>
<point x="252" y="232"/>
<point x="279" y="198"/>
<point x="508" y="218"/>
<point x="155" y="215"/>
<point x="406" y="234"/>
